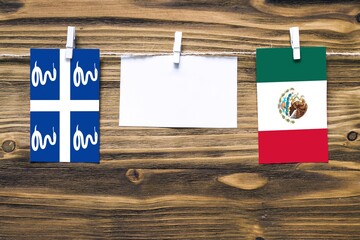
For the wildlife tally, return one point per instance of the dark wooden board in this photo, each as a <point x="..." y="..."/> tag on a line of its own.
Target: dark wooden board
<point x="169" y="183"/>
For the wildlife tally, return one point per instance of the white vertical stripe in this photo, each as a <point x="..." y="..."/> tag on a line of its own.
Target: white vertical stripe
<point x="64" y="110"/>
<point x="268" y="94"/>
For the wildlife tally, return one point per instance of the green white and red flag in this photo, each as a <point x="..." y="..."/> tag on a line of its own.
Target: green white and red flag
<point x="292" y="107"/>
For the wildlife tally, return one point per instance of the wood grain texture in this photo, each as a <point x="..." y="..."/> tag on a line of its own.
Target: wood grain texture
<point x="168" y="183"/>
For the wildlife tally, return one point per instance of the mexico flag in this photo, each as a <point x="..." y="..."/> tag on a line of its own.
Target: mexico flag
<point x="292" y="112"/>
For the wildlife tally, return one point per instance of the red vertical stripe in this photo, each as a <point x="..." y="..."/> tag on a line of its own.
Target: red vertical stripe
<point x="293" y="146"/>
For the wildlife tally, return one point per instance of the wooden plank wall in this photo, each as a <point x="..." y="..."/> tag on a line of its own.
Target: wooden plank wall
<point x="180" y="183"/>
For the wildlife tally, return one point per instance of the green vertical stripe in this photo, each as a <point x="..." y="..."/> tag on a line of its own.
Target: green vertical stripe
<point x="278" y="65"/>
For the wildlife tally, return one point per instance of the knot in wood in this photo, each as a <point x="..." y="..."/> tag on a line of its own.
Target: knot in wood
<point x="352" y="136"/>
<point x="135" y="176"/>
<point x="358" y="18"/>
<point x="244" y="181"/>
<point x="8" y="146"/>
<point x="259" y="238"/>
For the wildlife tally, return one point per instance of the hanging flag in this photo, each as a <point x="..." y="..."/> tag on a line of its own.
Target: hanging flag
<point x="64" y="106"/>
<point x="292" y="110"/>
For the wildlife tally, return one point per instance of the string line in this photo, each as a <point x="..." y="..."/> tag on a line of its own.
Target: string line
<point x="129" y="54"/>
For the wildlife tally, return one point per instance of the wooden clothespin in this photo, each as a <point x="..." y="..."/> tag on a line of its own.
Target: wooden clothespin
<point x="70" y="42"/>
<point x="177" y="47"/>
<point x="295" y="42"/>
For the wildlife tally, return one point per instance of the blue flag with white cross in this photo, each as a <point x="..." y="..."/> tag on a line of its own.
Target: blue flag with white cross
<point x="64" y="106"/>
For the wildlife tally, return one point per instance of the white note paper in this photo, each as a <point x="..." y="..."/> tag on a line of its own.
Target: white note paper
<point x="200" y="92"/>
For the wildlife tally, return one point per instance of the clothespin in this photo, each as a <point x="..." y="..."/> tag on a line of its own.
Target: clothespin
<point x="70" y="42"/>
<point x="295" y="42"/>
<point x="177" y="47"/>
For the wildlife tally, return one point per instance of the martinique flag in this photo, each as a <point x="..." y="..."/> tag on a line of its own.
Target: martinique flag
<point x="292" y="112"/>
<point x="64" y="106"/>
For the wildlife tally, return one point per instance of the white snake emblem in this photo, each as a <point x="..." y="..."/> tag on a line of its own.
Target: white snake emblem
<point x="38" y="77"/>
<point x="80" y="141"/>
<point x="79" y="77"/>
<point x="38" y="141"/>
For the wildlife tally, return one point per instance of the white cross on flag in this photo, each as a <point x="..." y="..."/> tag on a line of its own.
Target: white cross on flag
<point x="64" y="106"/>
